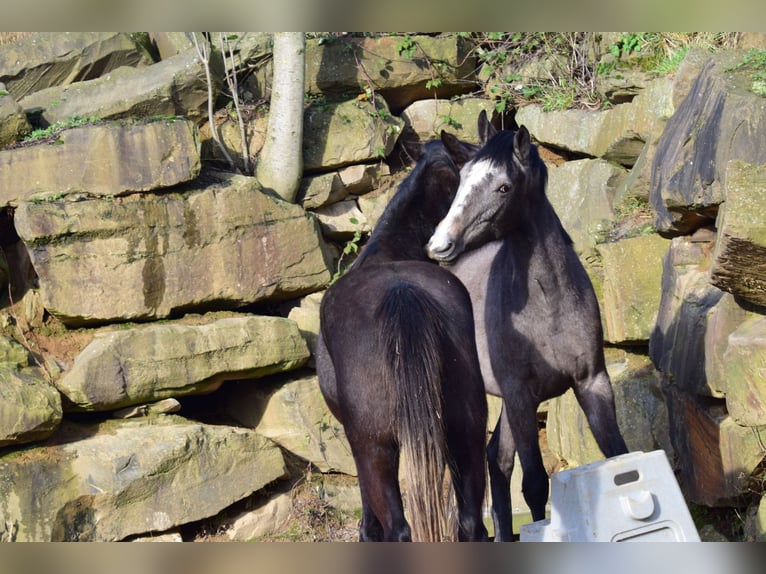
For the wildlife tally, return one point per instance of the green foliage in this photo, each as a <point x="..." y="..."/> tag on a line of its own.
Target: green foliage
<point x="58" y="127"/>
<point x="450" y="121"/>
<point x="39" y="199"/>
<point x="407" y="47"/>
<point x="351" y="247"/>
<point x="562" y="70"/>
<point x="563" y="79"/>
<point x="3" y="93"/>
<point x="629" y="42"/>
<point x="755" y="62"/>
<point x="670" y="64"/>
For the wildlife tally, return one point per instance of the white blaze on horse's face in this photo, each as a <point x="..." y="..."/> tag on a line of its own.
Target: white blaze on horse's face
<point x="478" y="200"/>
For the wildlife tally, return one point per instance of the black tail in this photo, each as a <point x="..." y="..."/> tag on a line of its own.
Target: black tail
<point x="412" y="325"/>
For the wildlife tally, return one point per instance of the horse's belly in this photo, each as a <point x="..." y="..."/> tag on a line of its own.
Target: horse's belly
<point x="472" y="268"/>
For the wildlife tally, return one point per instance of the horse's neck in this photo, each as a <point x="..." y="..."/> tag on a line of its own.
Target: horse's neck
<point x="540" y="224"/>
<point x="538" y="242"/>
<point x="392" y="242"/>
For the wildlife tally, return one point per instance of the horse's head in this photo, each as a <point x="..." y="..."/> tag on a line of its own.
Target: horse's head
<point x="437" y="175"/>
<point x="493" y="184"/>
<point x="421" y="201"/>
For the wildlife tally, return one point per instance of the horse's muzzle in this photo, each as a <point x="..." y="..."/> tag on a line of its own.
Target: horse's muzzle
<point x="444" y="250"/>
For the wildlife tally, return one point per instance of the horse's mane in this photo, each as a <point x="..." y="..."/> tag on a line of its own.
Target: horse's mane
<point x="434" y="155"/>
<point x="402" y="217"/>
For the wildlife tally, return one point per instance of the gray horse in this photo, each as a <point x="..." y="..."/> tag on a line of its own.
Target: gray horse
<point x="538" y="328"/>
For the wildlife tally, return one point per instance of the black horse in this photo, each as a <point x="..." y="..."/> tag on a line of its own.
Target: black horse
<point x="538" y="327"/>
<point x="397" y="365"/>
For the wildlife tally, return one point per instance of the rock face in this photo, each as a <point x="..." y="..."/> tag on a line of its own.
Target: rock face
<point x="617" y="135"/>
<point x="745" y="365"/>
<point x="427" y="118"/>
<point x="115" y="222"/>
<point x="30" y="407"/>
<point x="678" y="340"/>
<point x="393" y="67"/>
<point x="718" y="455"/>
<point x="111" y="481"/>
<point x="52" y="59"/>
<point x="581" y="192"/>
<point x="720" y="120"/>
<point x="293" y="414"/>
<point x="172" y="87"/>
<point x="128" y="367"/>
<point x="340" y="134"/>
<point x="220" y="241"/>
<point x="120" y="160"/>
<point x="632" y="276"/>
<point x="13" y="121"/>
<point x="740" y="258"/>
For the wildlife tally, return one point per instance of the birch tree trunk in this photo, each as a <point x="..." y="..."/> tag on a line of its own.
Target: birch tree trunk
<point x="280" y="163"/>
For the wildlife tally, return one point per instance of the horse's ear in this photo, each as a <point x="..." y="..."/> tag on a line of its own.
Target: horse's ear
<point x="486" y="129"/>
<point x="413" y="148"/>
<point x="460" y="152"/>
<point x="521" y="146"/>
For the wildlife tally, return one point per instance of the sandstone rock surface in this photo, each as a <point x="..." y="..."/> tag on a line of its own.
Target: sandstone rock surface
<point x="126" y="367"/>
<point x="218" y="241"/>
<point x="110" y="481"/>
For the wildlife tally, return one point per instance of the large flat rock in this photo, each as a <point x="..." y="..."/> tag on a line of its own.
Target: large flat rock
<point x="427" y="118"/>
<point x="401" y="69"/>
<point x="108" y="481"/>
<point x="57" y="58"/>
<point x="617" y="134"/>
<point x="219" y="241"/>
<point x="173" y="87"/>
<point x="344" y="133"/>
<point x="104" y="160"/>
<point x="293" y="414"/>
<point x="126" y="367"/>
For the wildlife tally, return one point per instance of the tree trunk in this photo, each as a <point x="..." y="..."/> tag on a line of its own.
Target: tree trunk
<point x="280" y="164"/>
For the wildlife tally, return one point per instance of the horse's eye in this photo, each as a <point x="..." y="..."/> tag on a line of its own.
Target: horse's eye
<point x="505" y="188"/>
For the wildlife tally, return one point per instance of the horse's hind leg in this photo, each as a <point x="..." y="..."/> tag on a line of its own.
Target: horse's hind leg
<point x="597" y="401"/>
<point x="370" y="529"/>
<point x="469" y="479"/>
<point x="500" y="457"/>
<point x="382" y="512"/>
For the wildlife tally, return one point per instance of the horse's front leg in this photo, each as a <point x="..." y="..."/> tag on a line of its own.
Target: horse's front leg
<point x="534" y="484"/>
<point x="500" y="457"/>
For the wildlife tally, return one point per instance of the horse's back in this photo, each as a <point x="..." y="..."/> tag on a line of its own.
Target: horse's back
<point x="353" y="348"/>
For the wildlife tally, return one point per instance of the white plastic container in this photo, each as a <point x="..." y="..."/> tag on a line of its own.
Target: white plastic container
<point x="631" y="497"/>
